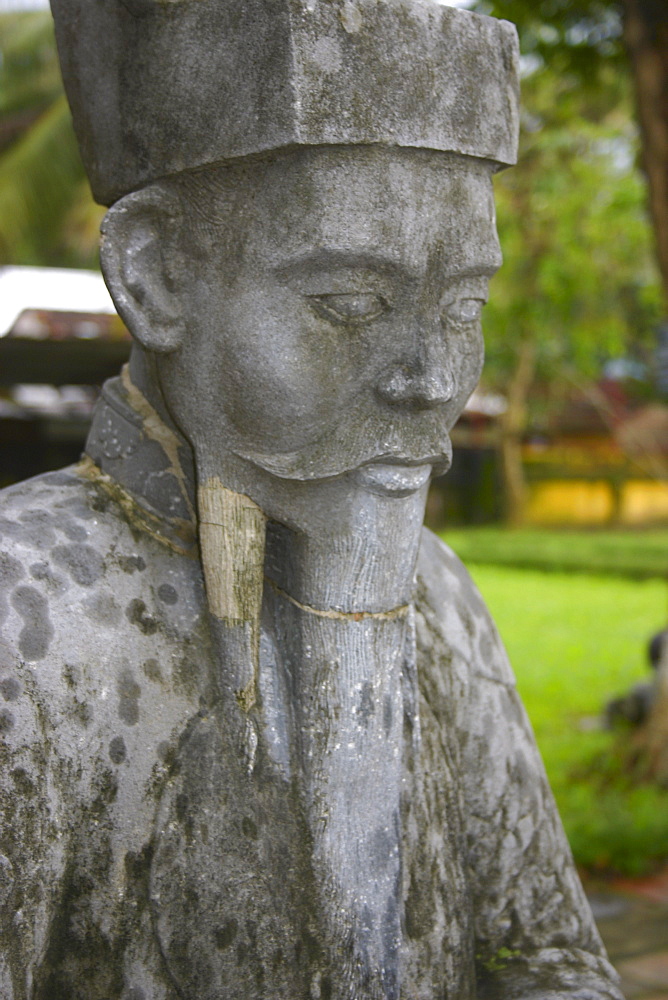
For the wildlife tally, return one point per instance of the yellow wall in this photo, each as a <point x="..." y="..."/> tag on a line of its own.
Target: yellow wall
<point x="644" y="502"/>
<point x="580" y="501"/>
<point x="570" y="501"/>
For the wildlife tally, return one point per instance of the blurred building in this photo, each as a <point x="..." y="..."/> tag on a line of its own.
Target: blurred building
<point x="60" y="337"/>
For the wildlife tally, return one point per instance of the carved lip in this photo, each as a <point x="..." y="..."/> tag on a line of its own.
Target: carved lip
<point x="395" y="477"/>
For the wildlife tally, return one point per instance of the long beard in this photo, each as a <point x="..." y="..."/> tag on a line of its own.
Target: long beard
<point x="344" y="682"/>
<point x="296" y="772"/>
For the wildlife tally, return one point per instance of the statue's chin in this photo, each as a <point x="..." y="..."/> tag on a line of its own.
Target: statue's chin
<point x="392" y="479"/>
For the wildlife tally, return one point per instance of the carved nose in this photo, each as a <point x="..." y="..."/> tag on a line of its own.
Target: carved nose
<point x="406" y="385"/>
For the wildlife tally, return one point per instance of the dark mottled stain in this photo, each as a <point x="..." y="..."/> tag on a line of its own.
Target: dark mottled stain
<point x="184" y="676"/>
<point x="512" y="709"/>
<point x="11" y="571"/>
<point x="42" y="572"/>
<point x="9" y="529"/>
<point x="136" y="614"/>
<point x="131" y="564"/>
<point x="37" y="632"/>
<point x="72" y="675"/>
<point x="117" y="750"/>
<point x="38" y="527"/>
<point x="6" y="721"/>
<point x="77" y="508"/>
<point x="69" y="527"/>
<point x="163" y="751"/>
<point x="23" y="783"/>
<point x="486" y="649"/>
<point x="102" y="609"/>
<point x="100" y="503"/>
<point x="367" y="705"/>
<point x="167" y="594"/>
<point x="83" y="563"/>
<point x="181" y="806"/>
<point x="129" y="693"/>
<point x="81" y="712"/>
<point x="10" y="689"/>
<point x="151" y="669"/>
<point x="420" y="911"/>
<point x="464" y="613"/>
<point x="387" y="714"/>
<point x="224" y="936"/>
<point x="249" y="828"/>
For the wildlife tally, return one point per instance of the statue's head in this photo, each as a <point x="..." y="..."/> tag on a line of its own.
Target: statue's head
<point x="302" y="222"/>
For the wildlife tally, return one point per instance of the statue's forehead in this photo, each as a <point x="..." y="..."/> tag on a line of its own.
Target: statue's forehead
<point x="401" y="205"/>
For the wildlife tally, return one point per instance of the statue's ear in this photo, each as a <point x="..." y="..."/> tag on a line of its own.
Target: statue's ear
<point x="140" y="255"/>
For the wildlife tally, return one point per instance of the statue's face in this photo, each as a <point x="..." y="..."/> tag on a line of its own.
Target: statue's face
<point x="344" y="326"/>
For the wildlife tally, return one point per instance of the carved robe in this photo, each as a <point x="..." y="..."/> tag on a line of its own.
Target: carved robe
<point x="142" y="859"/>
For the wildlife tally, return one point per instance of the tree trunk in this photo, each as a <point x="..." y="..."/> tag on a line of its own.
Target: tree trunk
<point x="646" y="37"/>
<point x="513" y="426"/>
<point x="651" y="743"/>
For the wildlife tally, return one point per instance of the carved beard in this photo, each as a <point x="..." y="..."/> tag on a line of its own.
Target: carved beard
<point x="344" y="683"/>
<point x="298" y="786"/>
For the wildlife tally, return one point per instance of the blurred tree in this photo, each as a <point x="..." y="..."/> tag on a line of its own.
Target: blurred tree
<point x="47" y="215"/>
<point x="579" y="284"/>
<point x="646" y="36"/>
<point x="585" y="39"/>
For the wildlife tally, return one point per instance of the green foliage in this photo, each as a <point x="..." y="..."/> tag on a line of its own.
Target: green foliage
<point x="637" y="554"/>
<point x="580" y="37"/>
<point x="579" y="278"/>
<point x="574" y="643"/>
<point x="47" y="215"/>
<point x="29" y="74"/>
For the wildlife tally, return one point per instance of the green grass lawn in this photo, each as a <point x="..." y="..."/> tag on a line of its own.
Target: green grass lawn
<point x="638" y="554"/>
<point x="575" y="641"/>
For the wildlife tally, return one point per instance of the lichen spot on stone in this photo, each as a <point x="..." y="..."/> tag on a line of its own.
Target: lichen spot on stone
<point x="117" y="750"/>
<point x="167" y="594"/>
<point x="137" y="614"/>
<point x="82" y="562"/>
<point x="37" y="632"/>
<point x="129" y="693"/>
<point x="10" y="689"/>
<point x="6" y="721"/>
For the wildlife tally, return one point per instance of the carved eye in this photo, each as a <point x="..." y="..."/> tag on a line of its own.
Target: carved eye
<point x="350" y="307"/>
<point x="464" y="310"/>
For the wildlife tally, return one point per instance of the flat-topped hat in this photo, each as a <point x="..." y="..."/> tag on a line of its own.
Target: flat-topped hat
<point x="158" y="87"/>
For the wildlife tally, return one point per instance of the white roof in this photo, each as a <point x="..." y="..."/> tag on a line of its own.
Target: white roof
<point x="53" y="288"/>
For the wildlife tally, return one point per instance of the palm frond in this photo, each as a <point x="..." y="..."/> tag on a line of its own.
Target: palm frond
<point x="39" y="177"/>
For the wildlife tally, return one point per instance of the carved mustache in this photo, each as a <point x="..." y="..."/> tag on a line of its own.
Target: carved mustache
<point x="411" y="439"/>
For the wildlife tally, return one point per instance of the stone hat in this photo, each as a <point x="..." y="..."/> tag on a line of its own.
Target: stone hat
<point x="157" y="87"/>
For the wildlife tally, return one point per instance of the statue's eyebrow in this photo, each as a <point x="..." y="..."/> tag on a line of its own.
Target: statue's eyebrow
<point x="339" y="259"/>
<point x="483" y="269"/>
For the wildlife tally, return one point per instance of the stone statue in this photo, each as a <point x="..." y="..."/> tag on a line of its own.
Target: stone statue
<point x="260" y="737"/>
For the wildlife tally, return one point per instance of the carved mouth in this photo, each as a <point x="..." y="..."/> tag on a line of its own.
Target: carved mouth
<point x="394" y="477"/>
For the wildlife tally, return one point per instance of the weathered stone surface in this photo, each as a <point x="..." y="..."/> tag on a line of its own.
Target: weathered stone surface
<point x="129" y="813"/>
<point x="260" y="738"/>
<point x="160" y="87"/>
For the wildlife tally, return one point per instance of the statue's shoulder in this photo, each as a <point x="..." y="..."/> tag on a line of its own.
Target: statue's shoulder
<point x="48" y="513"/>
<point x="70" y="567"/>
<point x="54" y="541"/>
<point x="453" y="621"/>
